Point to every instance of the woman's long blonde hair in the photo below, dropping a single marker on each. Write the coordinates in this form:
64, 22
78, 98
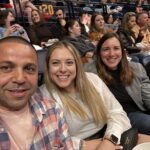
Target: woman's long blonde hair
88, 94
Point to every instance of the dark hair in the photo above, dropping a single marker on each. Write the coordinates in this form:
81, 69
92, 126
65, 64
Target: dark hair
69, 24
82, 13
126, 74
92, 26
42, 20
106, 17
3, 16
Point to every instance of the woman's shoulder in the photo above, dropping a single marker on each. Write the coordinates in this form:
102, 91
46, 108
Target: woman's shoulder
135, 65
93, 77
137, 68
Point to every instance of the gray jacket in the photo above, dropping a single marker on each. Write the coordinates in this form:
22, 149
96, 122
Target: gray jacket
139, 90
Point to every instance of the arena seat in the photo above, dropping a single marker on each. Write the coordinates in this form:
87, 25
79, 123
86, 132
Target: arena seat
41, 59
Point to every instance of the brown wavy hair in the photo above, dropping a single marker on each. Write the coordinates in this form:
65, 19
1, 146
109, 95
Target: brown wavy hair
125, 20
126, 75
42, 20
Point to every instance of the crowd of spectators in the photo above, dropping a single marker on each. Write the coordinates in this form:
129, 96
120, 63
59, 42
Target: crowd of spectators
105, 43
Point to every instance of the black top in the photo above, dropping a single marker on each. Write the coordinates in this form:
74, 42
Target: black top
121, 94
82, 44
83, 30
40, 33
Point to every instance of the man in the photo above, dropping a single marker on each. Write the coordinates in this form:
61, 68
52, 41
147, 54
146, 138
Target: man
60, 16
23, 10
58, 27
83, 21
142, 28
26, 120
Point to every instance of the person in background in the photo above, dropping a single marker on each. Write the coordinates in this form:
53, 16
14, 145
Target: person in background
23, 10
148, 23
27, 120
58, 26
82, 43
111, 22
9, 27
127, 34
60, 16
40, 32
83, 21
109, 18
142, 27
128, 81
97, 28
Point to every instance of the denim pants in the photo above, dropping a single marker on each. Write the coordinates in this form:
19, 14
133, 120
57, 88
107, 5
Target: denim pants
141, 121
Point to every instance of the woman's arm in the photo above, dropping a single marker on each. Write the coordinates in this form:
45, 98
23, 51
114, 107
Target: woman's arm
117, 120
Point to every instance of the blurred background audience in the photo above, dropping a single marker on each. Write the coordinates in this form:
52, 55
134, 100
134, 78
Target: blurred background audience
8, 26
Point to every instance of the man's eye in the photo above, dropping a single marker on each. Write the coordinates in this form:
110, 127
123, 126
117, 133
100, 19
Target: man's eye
117, 48
30, 69
5, 68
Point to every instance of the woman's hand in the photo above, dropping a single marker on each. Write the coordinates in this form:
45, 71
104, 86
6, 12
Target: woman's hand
98, 144
107, 145
10, 30
18, 27
92, 144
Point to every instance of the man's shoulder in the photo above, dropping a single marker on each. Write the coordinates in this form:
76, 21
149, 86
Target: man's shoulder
39, 101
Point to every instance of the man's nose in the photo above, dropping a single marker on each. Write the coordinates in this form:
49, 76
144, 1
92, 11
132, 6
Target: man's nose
19, 76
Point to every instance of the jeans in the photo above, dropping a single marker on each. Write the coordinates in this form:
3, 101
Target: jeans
141, 121
140, 56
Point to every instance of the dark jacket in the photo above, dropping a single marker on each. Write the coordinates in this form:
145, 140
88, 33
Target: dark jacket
129, 40
83, 30
139, 90
82, 44
40, 33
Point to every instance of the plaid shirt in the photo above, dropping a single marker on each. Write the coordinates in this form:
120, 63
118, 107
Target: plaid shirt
51, 129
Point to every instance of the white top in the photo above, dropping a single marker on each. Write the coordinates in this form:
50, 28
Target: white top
117, 123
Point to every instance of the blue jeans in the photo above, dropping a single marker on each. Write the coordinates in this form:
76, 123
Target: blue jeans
141, 121
140, 56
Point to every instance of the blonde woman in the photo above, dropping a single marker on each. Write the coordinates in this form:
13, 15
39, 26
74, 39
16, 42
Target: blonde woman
85, 99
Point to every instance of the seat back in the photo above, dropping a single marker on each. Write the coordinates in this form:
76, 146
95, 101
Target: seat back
41, 60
